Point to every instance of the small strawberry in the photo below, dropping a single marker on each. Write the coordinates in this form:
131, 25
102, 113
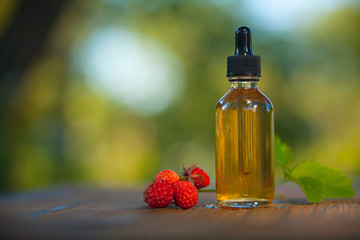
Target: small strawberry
168, 175
148, 187
197, 176
185, 194
159, 193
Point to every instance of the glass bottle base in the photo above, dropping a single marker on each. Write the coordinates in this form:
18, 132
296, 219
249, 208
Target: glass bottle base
245, 203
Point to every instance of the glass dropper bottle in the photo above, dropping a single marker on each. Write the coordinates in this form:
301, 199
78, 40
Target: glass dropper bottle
244, 133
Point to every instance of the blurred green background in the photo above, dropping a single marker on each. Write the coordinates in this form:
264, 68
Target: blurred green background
110, 92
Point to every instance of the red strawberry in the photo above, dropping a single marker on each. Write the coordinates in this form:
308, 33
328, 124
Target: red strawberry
185, 194
168, 175
148, 187
159, 194
197, 176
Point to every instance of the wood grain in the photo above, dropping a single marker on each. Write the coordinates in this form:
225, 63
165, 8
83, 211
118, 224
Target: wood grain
111, 213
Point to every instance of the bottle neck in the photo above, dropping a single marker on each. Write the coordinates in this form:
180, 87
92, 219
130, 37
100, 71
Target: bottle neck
244, 82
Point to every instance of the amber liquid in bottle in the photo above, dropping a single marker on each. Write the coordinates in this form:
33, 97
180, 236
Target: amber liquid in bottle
244, 146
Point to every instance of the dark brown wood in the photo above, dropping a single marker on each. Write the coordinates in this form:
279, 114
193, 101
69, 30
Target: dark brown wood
103, 213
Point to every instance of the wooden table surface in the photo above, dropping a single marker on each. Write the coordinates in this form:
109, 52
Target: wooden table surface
109, 213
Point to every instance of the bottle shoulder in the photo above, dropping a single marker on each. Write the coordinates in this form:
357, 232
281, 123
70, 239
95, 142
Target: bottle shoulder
239, 96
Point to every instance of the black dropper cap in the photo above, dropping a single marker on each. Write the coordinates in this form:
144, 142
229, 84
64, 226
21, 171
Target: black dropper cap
243, 63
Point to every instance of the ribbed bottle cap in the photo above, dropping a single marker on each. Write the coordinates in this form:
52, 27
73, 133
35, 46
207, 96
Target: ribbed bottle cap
243, 62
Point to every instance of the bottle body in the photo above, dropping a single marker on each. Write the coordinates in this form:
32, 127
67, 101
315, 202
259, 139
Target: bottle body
244, 146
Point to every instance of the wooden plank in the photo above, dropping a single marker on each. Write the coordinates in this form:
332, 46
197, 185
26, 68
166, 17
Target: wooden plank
90, 212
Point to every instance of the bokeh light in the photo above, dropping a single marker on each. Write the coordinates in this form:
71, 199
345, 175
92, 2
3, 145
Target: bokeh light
132, 69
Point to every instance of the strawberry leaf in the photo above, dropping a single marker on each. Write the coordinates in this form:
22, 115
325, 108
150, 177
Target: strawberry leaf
282, 153
319, 182
313, 188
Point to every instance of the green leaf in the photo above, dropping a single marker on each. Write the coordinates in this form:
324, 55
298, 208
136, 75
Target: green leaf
312, 187
282, 153
319, 182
